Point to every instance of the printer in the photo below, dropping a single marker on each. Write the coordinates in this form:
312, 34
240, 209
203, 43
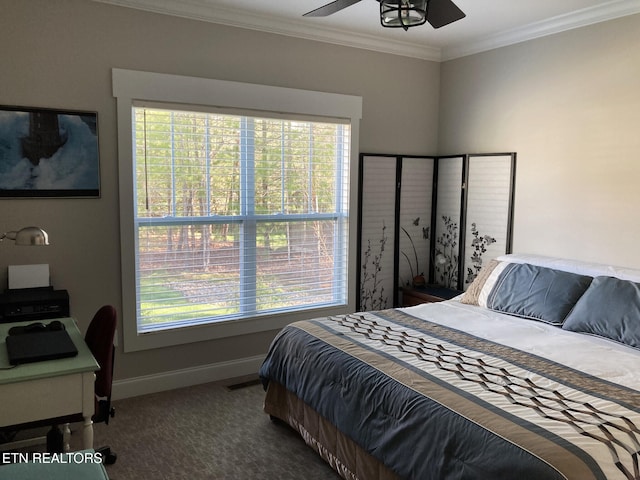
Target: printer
28, 304
30, 296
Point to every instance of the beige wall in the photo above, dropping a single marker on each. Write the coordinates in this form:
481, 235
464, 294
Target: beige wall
569, 105
60, 54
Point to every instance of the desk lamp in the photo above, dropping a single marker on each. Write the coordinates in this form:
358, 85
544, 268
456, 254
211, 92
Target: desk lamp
29, 236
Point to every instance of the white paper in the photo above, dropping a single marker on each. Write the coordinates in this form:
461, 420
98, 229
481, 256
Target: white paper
28, 276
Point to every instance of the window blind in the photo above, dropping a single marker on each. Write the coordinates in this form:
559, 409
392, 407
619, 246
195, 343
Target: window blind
237, 216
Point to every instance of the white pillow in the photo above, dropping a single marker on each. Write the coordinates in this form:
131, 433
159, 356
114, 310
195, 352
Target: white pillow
574, 266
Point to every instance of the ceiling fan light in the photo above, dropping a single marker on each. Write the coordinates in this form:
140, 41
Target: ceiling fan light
403, 13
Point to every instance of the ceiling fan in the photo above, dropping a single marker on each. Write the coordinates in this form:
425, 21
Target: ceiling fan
402, 13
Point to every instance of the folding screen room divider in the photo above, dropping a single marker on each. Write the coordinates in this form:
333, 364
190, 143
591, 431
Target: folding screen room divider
431, 218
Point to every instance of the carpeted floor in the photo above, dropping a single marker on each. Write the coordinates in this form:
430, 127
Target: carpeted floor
203, 432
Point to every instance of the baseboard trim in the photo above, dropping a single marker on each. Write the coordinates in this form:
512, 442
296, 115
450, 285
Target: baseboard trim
133, 387
27, 442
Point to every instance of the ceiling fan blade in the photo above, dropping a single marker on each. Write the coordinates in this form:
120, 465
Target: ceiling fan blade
330, 8
443, 12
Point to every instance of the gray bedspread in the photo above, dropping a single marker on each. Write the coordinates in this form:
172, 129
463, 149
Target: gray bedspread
433, 402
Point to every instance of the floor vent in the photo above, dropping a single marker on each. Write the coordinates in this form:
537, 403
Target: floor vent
249, 383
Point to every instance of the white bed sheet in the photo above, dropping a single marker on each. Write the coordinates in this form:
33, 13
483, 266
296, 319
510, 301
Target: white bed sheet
593, 355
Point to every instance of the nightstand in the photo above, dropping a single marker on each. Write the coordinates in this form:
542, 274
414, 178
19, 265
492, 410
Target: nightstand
427, 294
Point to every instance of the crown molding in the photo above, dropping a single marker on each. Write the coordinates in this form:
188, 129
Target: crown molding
561, 23
299, 29
201, 10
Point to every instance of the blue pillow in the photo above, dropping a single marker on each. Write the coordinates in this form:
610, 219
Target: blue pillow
537, 293
610, 308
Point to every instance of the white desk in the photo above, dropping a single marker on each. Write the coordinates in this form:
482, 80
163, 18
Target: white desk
49, 389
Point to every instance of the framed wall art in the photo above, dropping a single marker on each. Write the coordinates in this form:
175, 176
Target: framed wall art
48, 153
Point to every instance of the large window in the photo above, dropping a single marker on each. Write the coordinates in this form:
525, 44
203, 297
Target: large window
236, 206
237, 216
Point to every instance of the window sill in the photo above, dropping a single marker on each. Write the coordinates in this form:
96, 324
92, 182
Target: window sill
134, 341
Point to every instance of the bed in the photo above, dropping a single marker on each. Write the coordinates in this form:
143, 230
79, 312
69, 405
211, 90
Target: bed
533, 373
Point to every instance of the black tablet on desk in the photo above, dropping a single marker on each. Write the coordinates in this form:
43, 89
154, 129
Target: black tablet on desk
40, 346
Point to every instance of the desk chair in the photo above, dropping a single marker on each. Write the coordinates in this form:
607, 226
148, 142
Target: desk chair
99, 338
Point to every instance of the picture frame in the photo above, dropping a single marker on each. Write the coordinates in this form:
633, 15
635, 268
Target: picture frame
46, 152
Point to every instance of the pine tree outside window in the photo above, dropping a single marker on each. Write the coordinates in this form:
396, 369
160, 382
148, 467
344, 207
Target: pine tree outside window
237, 216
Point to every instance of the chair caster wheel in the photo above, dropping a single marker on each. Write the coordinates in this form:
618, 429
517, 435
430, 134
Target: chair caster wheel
108, 457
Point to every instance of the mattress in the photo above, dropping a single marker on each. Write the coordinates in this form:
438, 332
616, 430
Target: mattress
450, 390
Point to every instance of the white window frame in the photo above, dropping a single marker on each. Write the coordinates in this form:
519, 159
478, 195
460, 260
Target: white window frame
130, 86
